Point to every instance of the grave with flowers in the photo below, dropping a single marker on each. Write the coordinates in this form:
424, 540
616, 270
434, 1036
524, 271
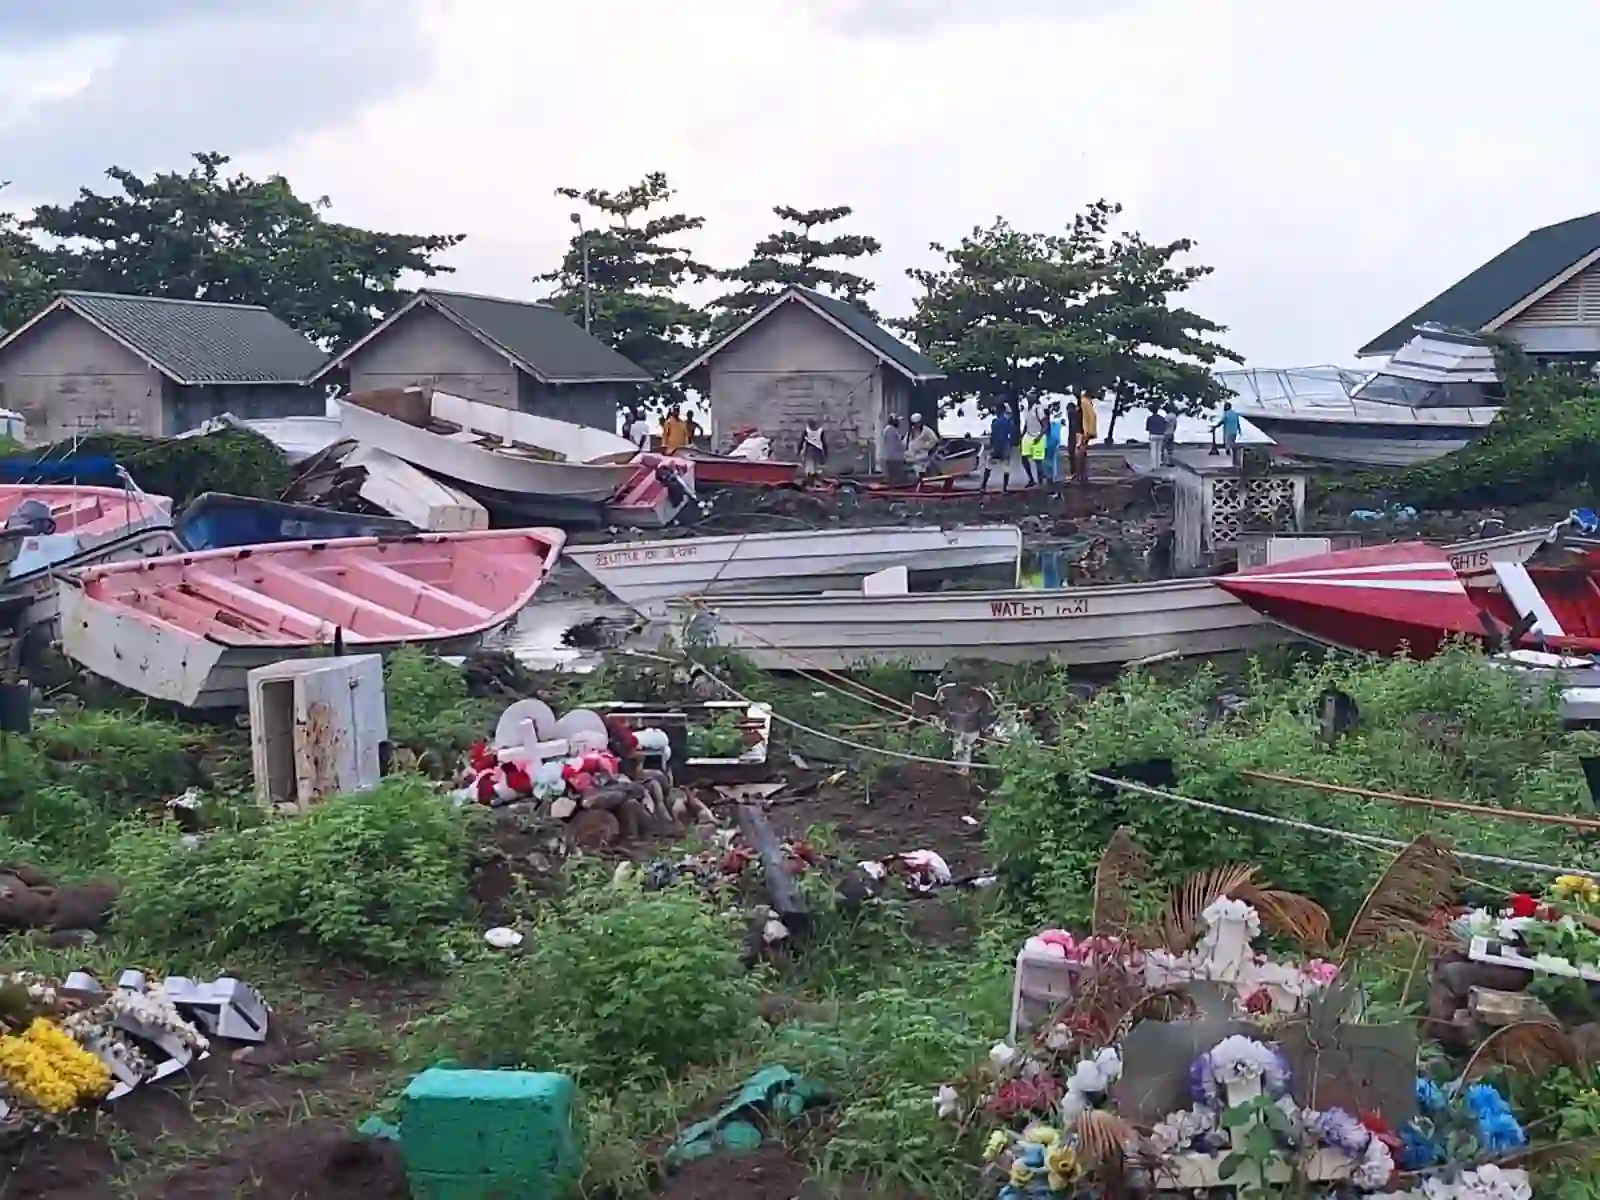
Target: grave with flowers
1176, 1056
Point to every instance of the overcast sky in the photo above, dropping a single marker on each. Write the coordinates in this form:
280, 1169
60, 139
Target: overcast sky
1337, 163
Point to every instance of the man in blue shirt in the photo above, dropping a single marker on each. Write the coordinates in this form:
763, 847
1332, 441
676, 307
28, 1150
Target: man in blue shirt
1229, 421
1002, 444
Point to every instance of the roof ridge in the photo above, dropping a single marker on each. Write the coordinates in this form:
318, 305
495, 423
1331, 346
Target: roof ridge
87, 295
1559, 224
427, 291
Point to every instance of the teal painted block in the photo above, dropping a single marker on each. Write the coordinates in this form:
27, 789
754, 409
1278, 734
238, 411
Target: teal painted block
490, 1131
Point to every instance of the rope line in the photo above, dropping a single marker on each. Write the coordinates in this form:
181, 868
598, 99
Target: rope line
1368, 840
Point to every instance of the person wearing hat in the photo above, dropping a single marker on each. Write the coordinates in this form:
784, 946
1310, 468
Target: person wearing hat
920, 445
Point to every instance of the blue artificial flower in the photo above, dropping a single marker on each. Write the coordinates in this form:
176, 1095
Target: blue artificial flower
1033, 1156
1429, 1097
1417, 1149
1500, 1133
1483, 1101
1202, 1087
1010, 1192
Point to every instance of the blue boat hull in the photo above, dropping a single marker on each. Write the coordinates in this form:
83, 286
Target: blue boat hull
215, 521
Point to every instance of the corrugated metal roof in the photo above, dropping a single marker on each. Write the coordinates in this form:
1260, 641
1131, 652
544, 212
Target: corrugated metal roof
544, 339
1510, 276
197, 341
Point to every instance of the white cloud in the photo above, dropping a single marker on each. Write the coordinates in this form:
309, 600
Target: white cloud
1337, 164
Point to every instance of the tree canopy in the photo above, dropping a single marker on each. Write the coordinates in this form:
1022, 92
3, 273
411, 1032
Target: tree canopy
798, 256
200, 235
1030, 313
636, 266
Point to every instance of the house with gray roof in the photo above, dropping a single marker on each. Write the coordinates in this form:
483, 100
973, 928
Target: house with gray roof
142, 364
1544, 292
810, 355
518, 354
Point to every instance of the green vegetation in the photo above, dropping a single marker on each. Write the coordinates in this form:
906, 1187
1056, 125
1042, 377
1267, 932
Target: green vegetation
642, 994
238, 461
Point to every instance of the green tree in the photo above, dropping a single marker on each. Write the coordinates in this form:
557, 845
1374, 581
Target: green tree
22, 284
636, 266
1031, 313
798, 256
200, 235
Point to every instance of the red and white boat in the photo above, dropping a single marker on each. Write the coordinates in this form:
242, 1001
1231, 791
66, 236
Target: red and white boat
1409, 596
188, 628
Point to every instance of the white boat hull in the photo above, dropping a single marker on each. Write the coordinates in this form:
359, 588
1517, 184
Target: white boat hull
645, 575
460, 457
166, 663
36, 593
1368, 433
1079, 627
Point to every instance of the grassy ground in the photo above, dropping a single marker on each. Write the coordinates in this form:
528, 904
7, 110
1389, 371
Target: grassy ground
361, 923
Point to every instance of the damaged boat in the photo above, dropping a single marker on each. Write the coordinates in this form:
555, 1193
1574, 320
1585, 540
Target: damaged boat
644, 575
188, 628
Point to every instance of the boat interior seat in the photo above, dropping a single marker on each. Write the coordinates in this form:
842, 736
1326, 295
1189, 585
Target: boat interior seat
1525, 597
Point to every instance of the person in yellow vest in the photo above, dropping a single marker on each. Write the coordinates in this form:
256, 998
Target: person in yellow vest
674, 432
1090, 420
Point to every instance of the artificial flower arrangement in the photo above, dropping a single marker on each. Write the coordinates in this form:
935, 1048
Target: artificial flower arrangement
45, 1070
1039, 1162
1558, 933
1457, 1125
1240, 1094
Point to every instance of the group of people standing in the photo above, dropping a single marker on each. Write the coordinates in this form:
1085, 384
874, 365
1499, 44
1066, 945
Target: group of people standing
1051, 441
678, 432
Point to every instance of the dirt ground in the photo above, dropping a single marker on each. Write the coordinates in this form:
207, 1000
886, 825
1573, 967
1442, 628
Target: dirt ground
910, 806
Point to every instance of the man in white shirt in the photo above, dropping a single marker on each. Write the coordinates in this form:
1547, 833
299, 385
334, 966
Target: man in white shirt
639, 431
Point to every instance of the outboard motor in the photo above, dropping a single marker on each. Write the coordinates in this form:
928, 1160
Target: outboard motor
32, 518
673, 482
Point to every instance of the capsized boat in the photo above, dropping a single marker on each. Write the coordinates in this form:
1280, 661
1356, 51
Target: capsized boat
488, 446
188, 628
646, 574
655, 494
217, 521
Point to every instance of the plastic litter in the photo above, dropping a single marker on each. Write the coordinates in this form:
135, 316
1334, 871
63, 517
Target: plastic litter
775, 1094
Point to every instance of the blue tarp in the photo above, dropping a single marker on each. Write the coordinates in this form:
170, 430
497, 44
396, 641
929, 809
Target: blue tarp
93, 471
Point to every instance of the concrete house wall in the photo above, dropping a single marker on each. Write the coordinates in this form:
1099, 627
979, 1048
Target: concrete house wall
795, 365
424, 347
186, 407
65, 377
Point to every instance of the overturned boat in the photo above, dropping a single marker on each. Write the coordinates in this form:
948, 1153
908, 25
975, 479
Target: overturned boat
188, 628
1439, 392
644, 575
218, 521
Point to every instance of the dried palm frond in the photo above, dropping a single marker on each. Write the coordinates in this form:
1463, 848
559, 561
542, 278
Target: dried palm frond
1289, 914
1181, 925
1122, 866
1101, 1136
1420, 881
1534, 1046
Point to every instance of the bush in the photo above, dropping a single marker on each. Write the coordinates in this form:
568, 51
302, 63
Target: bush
1545, 441
1453, 727
429, 708
376, 877
618, 984
238, 461
122, 762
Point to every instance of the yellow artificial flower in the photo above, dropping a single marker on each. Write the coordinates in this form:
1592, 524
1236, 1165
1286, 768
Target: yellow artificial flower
90, 1078
1021, 1173
1041, 1135
1567, 887
996, 1145
1061, 1165
45, 1068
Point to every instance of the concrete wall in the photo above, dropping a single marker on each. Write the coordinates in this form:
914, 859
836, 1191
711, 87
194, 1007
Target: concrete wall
426, 348
65, 377
593, 404
792, 366
187, 407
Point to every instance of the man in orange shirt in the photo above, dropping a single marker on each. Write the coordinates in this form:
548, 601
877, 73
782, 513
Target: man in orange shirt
674, 432
1090, 420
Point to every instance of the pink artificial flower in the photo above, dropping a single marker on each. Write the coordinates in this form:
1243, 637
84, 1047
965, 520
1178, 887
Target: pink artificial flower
1321, 972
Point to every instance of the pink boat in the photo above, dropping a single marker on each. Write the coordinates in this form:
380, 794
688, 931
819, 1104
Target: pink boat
63, 521
188, 628
649, 500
